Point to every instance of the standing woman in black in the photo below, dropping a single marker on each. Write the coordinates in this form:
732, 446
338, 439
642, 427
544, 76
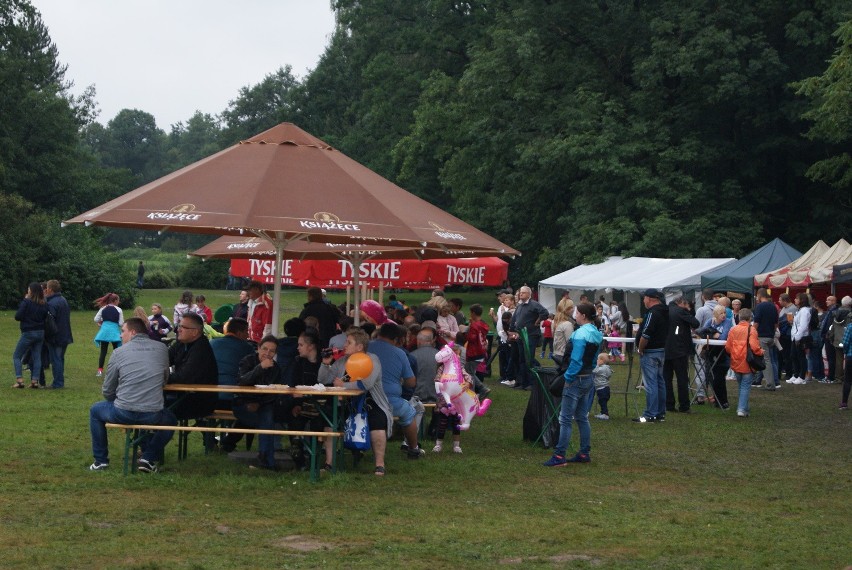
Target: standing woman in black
32, 313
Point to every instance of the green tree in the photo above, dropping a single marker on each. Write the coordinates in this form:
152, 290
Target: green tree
38, 129
260, 107
198, 139
830, 115
580, 130
38, 249
133, 141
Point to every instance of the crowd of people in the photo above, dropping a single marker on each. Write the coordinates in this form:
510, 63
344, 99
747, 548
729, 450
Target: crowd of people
752, 347
403, 341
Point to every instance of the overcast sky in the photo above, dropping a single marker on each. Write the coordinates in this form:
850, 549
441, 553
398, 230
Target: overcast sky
173, 57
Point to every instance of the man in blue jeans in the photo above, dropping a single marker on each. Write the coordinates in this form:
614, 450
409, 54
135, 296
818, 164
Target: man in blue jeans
579, 390
651, 345
133, 394
56, 347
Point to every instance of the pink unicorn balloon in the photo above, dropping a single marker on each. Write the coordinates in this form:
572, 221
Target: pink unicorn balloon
456, 390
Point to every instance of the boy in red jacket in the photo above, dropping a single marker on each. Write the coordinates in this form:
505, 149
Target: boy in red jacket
476, 350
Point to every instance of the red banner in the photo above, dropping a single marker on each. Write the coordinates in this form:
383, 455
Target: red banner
392, 274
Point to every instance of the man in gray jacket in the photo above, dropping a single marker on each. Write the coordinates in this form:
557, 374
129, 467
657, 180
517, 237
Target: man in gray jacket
133, 394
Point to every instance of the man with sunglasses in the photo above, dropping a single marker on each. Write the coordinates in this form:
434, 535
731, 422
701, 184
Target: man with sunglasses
192, 362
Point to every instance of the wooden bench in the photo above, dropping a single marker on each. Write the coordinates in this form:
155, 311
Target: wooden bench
134, 433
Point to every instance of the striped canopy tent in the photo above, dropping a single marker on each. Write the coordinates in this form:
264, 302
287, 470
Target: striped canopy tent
815, 266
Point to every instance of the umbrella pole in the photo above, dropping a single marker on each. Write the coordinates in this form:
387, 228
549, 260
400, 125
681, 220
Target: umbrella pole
276, 295
348, 297
355, 262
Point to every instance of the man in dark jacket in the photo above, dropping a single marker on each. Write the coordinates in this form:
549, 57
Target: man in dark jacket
326, 313
528, 315
825, 327
651, 346
678, 352
192, 362
58, 307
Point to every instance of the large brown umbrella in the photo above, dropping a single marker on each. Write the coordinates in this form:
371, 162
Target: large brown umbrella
285, 185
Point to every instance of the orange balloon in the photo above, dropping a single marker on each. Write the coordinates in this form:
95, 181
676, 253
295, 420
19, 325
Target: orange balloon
359, 366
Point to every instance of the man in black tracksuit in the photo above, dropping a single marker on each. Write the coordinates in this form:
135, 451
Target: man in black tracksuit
678, 352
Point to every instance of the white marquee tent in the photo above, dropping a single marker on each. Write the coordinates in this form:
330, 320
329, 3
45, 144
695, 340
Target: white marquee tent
631, 274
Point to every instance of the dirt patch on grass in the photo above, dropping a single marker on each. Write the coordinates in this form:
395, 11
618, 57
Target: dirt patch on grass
302, 543
555, 559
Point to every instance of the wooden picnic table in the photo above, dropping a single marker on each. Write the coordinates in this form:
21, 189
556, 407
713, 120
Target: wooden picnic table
275, 389
334, 422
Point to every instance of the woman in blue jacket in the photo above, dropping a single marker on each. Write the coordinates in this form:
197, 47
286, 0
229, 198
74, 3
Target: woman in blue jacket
579, 390
32, 312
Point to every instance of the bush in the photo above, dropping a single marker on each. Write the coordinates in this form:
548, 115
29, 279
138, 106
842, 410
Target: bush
198, 274
171, 245
39, 249
157, 279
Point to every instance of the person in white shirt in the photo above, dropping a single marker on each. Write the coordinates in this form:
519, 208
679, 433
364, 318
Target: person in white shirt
800, 335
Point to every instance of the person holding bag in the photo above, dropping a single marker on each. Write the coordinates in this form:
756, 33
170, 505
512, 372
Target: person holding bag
379, 414
743, 339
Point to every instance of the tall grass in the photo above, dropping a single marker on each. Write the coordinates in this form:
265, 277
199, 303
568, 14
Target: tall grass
706, 490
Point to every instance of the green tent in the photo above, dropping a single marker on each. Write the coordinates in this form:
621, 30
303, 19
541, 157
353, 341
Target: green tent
739, 275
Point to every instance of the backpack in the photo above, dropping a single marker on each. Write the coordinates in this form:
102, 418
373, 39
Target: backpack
814, 322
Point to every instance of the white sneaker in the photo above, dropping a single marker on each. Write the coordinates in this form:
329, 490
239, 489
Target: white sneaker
438, 447
741, 414
799, 381
456, 449
510, 383
601, 417
791, 380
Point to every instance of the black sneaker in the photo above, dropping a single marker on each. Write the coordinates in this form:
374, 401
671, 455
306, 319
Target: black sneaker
98, 466
146, 466
661, 418
416, 453
403, 446
644, 420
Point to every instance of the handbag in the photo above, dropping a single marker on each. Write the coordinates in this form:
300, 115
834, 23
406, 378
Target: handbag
356, 431
755, 362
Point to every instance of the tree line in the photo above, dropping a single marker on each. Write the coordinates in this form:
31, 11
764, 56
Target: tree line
570, 130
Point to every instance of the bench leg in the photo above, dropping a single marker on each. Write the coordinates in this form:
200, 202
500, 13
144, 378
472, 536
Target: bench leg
129, 440
314, 461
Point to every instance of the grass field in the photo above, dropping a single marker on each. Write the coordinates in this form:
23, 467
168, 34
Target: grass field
706, 490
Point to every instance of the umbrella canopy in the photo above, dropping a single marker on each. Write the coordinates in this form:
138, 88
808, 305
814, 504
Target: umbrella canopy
285, 181
286, 185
